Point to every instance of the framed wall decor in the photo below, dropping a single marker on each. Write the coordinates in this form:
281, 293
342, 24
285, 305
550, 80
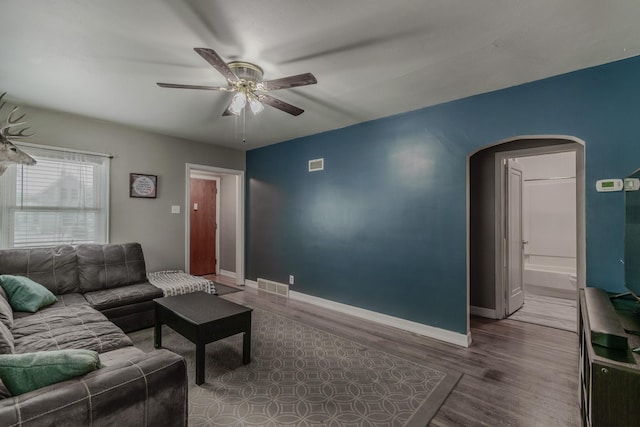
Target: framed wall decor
143, 185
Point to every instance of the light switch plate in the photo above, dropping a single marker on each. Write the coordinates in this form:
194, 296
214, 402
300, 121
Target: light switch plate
175, 209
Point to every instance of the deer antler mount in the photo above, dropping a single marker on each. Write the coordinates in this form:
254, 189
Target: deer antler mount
9, 153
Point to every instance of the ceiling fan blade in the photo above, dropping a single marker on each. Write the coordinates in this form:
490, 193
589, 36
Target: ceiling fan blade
292, 81
280, 105
218, 63
180, 86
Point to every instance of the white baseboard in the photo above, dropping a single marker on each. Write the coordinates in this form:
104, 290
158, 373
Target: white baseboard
226, 273
483, 312
396, 322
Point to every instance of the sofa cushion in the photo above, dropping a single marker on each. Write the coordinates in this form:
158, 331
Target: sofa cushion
25, 294
132, 317
6, 312
4, 391
120, 356
54, 268
60, 328
110, 266
68, 300
117, 297
22, 373
6, 340
150, 390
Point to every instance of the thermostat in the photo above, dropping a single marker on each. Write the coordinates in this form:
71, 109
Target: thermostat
603, 185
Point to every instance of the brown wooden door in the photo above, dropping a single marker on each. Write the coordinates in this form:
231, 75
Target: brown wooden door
203, 227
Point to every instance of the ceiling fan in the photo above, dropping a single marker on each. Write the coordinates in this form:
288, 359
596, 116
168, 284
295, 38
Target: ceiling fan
245, 79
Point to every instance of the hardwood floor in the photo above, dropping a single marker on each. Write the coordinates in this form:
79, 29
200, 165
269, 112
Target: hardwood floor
225, 280
558, 313
515, 373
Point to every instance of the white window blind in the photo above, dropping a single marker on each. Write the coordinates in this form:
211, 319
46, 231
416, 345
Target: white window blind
63, 199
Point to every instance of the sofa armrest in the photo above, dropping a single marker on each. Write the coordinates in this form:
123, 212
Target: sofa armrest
149, 390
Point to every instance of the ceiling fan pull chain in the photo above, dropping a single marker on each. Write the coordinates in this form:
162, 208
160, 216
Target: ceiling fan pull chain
235, 133
244, 124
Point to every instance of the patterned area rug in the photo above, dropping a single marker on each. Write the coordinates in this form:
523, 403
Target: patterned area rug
303, 376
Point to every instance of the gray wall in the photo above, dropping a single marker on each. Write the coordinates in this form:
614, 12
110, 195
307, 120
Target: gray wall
228, 223
148, 221
482, 229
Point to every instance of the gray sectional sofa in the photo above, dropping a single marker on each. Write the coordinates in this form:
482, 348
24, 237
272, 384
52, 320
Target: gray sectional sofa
101, 292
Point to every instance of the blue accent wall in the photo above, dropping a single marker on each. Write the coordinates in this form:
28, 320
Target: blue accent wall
383, 227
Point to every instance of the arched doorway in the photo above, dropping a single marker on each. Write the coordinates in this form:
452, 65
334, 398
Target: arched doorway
485, 231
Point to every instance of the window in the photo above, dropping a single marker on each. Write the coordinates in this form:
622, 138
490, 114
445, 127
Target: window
63, 199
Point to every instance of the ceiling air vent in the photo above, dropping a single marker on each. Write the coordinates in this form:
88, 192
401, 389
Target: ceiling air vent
316, 165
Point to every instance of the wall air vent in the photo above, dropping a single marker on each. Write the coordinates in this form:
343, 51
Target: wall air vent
273, 287
316, 165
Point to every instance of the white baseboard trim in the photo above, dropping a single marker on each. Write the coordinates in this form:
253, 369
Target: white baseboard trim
228, 273
483, 312
396, 322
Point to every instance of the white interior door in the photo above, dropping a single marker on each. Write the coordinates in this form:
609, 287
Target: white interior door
514, 266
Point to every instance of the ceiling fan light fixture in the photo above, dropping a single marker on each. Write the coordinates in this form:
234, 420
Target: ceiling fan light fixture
255, 105
237, 103
244, 79
246, 70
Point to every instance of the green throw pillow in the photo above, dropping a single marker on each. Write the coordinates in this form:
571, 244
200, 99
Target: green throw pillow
25, 294
24, 372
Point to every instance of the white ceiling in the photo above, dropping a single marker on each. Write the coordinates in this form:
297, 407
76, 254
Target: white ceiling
372, 58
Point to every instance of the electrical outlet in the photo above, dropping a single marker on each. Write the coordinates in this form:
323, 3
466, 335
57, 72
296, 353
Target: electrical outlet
291, 279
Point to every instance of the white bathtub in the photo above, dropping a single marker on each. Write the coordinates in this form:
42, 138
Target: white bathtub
550, 280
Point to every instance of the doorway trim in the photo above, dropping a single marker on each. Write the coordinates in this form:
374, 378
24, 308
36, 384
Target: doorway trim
239, 174
500, 157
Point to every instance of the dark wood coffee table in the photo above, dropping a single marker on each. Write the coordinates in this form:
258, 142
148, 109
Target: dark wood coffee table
203, 318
